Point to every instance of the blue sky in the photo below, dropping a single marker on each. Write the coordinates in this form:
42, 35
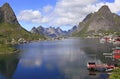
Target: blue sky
57, 13
19, 5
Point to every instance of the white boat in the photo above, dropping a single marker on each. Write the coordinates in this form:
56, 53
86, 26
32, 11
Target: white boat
109, 70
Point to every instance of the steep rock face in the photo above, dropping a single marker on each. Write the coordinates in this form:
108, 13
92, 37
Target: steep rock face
7, 15
102, 21
1, 16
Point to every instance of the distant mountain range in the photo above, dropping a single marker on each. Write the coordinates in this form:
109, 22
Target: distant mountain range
52, 31
102, 21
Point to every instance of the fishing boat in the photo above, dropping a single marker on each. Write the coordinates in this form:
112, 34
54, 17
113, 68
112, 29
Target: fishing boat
92, 66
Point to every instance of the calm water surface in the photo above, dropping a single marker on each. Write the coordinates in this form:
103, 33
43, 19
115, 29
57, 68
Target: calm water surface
61, 59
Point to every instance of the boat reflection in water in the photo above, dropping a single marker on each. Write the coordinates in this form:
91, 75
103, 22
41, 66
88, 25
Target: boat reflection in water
98, 75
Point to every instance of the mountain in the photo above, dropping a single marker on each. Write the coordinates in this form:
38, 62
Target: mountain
102, 21
72, 30
7, 15
11, 31
10, 27
53, 32
48, 32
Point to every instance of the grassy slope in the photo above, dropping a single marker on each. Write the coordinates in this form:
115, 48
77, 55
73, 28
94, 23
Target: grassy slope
10, 31
5, 49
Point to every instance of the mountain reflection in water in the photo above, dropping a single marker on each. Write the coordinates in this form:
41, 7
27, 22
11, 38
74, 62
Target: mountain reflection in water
60, 59
8, 64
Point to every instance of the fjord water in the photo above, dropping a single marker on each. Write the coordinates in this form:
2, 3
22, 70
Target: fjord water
59, 59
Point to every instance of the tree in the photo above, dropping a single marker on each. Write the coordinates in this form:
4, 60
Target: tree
115, 74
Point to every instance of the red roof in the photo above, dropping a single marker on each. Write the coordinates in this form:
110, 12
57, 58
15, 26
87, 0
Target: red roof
116, 56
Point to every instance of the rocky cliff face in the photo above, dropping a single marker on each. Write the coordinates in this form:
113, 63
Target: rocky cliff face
7, 15
101, 21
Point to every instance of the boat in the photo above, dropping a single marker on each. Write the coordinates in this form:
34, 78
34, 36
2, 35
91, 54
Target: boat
109, 70
92, 66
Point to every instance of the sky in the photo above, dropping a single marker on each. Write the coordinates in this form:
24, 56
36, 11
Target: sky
56, 13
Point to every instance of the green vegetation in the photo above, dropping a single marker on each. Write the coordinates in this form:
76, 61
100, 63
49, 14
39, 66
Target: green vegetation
4, 48
115, 74
82, 33
10, 31
14, 34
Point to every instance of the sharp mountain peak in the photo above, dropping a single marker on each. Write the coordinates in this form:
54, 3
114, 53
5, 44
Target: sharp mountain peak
6, 5
7, 14
101, 21
104, 8
104, 11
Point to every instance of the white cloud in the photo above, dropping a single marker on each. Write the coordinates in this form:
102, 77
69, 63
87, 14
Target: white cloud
115, 7
29, 15
66, 12
70, 12
33, 16
47, 8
